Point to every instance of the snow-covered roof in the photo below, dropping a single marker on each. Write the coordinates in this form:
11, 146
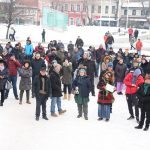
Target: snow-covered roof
135, 4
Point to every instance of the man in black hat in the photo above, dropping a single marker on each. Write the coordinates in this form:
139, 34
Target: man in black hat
42, 90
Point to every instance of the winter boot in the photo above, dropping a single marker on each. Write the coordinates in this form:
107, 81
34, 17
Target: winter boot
139, 127
28, 102
69, 97
62, 112
146, 128
65, 96
20, 102
54, 115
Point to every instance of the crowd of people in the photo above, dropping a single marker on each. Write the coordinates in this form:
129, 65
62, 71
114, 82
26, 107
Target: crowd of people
44, 71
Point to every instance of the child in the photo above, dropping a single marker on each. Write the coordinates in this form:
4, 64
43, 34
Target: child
82, 88
25, 82
105, 98
67, 78
143, 94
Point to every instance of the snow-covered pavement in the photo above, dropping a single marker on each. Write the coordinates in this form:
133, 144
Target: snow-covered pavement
20, 131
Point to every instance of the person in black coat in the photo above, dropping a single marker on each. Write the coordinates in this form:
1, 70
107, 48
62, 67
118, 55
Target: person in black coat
56, 90
3, 79
79, 42
70, 48
37, 63
143, 94
144, 66
42, 90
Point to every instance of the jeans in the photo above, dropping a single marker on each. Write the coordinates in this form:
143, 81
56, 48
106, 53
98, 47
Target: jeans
104, 111
13, 80
54, 101
109, 46
119, 86
139, 52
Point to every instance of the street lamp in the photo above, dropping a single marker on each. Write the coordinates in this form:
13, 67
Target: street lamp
127, 15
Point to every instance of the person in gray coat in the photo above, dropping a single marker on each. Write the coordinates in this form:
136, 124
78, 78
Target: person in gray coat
25, 82
67, 78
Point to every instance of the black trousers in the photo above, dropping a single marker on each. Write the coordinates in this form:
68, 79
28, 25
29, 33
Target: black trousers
67, 86
132, 100
145, 114
83, 108
92, 83
27, 94
41, 100
2, 96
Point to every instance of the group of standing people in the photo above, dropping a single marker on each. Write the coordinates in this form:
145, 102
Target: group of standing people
43, 72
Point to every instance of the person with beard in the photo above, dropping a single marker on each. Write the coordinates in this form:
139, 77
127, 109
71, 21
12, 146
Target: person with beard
143, 94
25, 81
3, 79
42, 90
132, 81
82, 88
105, 98
37, 63
91, 69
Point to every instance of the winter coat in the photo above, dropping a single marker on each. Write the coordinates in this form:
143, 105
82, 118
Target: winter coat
36, 66
37, 86
104, 97
79, 43
144, 99
29, 50
70, 48
120, 71
39, 49
3, 73
110, 40
130, 31
139, 45
136, 33
25, 81
61, 55
145, 67
128, 82
83, 84
55, 84
13, 67
67, 73
100, 53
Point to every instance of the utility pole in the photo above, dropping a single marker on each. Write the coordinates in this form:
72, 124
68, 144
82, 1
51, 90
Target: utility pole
127, 21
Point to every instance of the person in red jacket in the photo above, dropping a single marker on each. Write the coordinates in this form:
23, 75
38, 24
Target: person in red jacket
39, 48
139, 46
13, 66
132, 81
130, 32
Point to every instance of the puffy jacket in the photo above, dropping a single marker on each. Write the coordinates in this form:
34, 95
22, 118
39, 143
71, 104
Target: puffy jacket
139, 45
29, 50
128, 82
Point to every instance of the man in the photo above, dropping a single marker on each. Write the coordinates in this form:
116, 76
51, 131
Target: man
130, 32
79, 42
43, 36
13, 65
139, 46
136, 33
42, 90
56, 91
109, 41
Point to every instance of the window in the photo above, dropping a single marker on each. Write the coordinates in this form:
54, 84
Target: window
113, 9
84, 8
78, 8
125, 12
142, 12
72, 7
71, 21
133, 12
106, 9
66, 7
93, 9
99, 9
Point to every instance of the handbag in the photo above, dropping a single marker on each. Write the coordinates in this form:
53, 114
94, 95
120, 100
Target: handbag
8, 85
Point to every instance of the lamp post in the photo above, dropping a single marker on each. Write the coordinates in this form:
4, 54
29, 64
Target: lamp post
127, 21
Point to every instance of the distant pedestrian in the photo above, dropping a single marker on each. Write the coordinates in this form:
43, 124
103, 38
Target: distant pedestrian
43, 36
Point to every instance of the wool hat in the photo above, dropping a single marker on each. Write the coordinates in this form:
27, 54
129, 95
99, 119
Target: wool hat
137, 72
110, 64
43, 69
82, 70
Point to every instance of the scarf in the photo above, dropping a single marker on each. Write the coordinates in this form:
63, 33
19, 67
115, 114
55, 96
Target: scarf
146, 86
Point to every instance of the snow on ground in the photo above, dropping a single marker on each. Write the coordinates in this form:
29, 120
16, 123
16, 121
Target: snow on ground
20, 131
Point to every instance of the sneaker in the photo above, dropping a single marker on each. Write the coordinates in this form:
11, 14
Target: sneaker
45, 117
62, 112
79, 116
99, 119
54, 115
130, 118
37, 118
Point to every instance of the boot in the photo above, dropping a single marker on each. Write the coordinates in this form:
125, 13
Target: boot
45, 117
28, 102
139, 127
146, 128
54, 115
65, 96
69, 97
20, 102
62, 112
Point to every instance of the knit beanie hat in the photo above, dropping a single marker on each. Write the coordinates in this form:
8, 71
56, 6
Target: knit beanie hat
137, 72
110, 64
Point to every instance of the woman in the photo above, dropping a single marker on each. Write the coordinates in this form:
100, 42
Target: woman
82, 88
3, 79
25, 82
105, 98
144, 103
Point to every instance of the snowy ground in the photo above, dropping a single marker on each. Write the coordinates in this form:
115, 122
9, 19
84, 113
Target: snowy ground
20, 131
